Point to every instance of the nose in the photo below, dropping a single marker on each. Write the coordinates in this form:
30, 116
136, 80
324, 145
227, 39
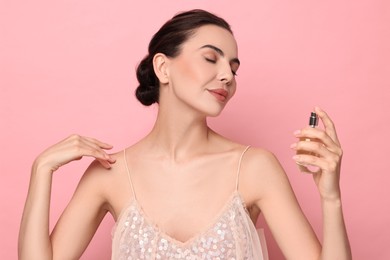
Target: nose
226, 75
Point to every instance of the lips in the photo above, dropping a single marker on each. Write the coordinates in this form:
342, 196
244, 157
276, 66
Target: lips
219, 93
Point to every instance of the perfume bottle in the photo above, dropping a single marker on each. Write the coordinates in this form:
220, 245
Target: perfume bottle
313, 122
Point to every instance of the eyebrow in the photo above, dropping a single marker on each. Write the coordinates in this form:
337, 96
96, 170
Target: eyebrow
236, 60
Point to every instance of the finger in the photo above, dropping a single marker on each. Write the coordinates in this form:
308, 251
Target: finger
305, 160
325, 164
98, 153
79, 146
92, 150
77, 152
87, 146
105, 163
75, 138
330, 128
100, 146
96, 145
316, 148
99, 143
308, 169
318, 136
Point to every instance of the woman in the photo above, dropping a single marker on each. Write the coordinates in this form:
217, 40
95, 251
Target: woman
179, 192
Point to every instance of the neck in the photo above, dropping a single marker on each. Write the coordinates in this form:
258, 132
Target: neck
178, 134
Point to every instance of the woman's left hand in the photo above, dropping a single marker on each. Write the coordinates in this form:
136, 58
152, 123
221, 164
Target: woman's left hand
323, 152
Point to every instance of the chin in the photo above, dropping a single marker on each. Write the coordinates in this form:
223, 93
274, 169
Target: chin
215, 112
211, 109
213, 115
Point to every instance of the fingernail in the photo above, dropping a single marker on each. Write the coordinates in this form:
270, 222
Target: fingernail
293, 146
295, 157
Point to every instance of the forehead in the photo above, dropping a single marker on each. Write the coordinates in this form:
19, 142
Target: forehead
213, 35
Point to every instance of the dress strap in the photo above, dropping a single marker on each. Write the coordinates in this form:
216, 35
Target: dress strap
239, 165
128, 173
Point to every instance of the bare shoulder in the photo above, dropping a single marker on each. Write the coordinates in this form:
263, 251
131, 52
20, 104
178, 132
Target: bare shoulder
261, 174
97, 173
261, 162
101, 181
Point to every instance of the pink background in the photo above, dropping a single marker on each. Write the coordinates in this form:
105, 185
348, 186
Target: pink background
68, 67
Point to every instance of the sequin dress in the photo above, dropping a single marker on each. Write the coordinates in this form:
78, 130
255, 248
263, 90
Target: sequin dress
232, 235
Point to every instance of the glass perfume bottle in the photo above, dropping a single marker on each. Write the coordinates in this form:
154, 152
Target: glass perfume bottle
313, 122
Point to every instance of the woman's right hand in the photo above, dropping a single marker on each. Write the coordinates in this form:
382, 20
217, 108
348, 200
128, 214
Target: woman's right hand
34, 239
73, 148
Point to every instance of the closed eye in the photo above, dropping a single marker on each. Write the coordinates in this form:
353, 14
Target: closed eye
210, 60
215, 61
234, 66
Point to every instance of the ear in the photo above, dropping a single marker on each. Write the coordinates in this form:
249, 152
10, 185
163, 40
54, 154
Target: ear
160, 64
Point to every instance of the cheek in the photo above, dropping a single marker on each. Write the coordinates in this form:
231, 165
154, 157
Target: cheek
183, 70
189, 70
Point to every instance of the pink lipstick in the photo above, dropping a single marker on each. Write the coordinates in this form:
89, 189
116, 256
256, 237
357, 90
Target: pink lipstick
219, 93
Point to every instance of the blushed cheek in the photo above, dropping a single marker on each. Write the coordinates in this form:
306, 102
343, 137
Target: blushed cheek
189, 70
184, 69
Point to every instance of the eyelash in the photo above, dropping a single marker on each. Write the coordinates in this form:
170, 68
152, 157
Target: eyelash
214, 61
211, 60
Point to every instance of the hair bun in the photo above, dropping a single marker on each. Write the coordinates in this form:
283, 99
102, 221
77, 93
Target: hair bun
148, 90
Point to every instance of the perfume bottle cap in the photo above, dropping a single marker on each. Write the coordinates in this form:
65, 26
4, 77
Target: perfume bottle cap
313, 121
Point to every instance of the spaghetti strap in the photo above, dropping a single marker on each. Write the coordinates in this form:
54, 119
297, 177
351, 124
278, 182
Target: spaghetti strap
239, 165
128, 174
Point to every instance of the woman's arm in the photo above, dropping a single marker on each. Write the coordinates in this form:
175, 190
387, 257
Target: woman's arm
34, 235
34, 240
265, 180
272, 193
335, 243
326, 154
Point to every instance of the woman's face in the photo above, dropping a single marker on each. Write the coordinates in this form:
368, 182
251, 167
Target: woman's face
202, 76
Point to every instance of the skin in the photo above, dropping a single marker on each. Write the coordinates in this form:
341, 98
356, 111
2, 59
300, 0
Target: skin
182, 162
